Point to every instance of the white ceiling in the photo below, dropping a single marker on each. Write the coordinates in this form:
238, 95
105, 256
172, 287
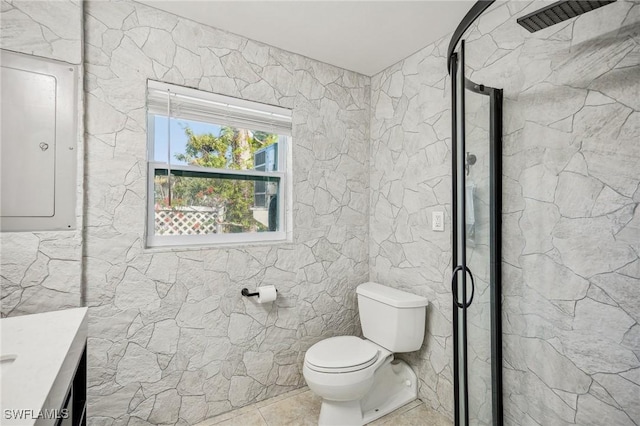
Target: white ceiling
359, 35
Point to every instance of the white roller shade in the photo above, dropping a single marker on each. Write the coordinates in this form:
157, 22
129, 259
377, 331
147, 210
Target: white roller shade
198, 105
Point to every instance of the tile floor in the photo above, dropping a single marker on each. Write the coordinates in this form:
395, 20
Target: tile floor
301, 407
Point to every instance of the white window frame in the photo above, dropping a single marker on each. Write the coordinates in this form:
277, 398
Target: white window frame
284, 232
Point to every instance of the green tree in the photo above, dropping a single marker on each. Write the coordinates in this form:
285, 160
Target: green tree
231, 149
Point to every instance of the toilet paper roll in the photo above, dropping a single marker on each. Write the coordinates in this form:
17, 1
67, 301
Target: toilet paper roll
267, 293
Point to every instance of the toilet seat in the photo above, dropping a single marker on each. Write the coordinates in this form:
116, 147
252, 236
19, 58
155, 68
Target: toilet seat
342, 354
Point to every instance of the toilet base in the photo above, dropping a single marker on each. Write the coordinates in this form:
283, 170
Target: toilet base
340, 413
395, 384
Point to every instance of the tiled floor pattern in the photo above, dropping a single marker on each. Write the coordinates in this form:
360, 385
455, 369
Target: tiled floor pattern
301, 407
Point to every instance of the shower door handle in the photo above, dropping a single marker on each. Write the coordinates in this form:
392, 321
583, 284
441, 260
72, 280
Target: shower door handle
454, 287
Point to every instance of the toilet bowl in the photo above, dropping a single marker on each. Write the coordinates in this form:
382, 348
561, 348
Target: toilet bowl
342, 368
358, 379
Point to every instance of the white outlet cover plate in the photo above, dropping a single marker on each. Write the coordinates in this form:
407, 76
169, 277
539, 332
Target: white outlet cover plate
437, 221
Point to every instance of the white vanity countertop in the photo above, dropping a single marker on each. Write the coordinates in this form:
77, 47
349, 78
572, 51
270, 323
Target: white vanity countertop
47, 348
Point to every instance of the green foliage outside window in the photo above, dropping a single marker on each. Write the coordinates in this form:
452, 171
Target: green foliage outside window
232, 149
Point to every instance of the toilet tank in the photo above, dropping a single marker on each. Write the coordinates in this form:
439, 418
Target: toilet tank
392, 318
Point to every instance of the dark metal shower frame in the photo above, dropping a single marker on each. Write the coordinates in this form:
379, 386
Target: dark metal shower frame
495, 249
495, 182
474, 13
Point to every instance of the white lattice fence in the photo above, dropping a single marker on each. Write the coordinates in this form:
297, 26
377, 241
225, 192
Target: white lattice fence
187, 221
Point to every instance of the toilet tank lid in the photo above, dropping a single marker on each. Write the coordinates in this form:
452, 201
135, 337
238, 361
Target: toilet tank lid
391, 296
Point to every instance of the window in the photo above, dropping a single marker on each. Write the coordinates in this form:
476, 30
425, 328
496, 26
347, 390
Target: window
265, 160
217, 168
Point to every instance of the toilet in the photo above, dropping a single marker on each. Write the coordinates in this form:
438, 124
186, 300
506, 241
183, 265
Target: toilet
358, 379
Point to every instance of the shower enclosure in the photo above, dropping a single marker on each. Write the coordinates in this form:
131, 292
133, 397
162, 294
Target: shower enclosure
546, 217
476, 279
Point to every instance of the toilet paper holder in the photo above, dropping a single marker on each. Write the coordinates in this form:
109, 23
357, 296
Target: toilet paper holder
245, 292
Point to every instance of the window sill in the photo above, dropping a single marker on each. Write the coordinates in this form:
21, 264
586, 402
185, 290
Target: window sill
215, 246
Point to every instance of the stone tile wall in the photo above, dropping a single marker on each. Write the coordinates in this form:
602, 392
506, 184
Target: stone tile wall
41, 271
49, 29
411, 178
570, 214
171, 339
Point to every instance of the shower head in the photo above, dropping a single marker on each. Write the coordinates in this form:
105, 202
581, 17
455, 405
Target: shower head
558, 12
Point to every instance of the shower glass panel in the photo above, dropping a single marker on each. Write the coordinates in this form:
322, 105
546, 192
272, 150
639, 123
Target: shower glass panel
476, 293
477, 193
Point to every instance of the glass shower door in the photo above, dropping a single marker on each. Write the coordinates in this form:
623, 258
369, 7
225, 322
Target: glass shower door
477, 193
476, 295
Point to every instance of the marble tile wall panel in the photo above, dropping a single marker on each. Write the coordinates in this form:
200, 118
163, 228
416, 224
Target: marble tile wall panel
171, 339
41, 271
571, 272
